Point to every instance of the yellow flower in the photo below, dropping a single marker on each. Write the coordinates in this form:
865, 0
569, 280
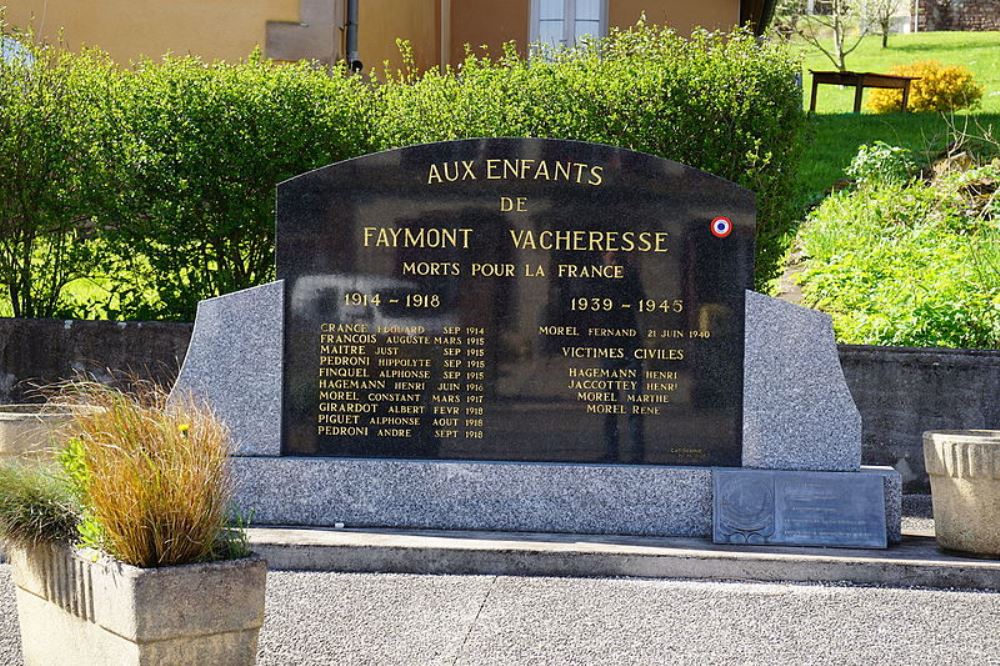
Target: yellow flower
183, 428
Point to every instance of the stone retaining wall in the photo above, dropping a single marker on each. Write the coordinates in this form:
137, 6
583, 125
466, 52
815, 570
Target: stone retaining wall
42, 351
967, 15
900, 392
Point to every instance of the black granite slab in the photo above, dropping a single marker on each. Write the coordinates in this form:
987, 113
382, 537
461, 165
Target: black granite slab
514, 299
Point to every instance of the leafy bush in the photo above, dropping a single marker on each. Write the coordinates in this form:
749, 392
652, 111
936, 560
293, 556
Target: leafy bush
202, 147
939, 88
152, 478
36, 506
52, 171
912, 264
158, 180
725, 103
881, 164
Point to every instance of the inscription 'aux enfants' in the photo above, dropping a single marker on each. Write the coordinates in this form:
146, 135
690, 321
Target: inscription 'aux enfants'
574, 240
517, 169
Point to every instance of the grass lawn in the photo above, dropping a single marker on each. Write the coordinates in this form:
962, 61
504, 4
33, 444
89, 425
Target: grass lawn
832, 140
979, 51
835, 134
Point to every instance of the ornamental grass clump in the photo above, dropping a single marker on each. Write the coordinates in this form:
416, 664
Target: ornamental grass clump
37, 506
151, 478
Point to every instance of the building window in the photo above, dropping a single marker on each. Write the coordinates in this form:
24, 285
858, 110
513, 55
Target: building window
562, 22
13, 51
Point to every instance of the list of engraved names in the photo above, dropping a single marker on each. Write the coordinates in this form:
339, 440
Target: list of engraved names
388, 381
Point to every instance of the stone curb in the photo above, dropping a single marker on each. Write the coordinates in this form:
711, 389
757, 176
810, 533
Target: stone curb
916, 562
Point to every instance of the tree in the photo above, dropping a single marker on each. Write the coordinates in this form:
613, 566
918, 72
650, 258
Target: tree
51, 162
833, 19
786, 17
881, 12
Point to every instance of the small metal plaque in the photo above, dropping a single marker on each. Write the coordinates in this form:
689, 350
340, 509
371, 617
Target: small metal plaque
763, 507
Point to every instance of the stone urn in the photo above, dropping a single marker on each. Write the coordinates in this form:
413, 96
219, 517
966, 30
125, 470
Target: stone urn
26, 431
77, 609
964, 468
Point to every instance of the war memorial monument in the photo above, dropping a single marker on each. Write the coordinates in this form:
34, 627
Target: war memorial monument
533, 335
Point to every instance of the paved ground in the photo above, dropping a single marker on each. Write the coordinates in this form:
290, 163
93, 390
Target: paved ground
387, 619
323, 618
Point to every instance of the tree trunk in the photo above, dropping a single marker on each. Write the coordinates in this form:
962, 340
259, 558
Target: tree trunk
838, 42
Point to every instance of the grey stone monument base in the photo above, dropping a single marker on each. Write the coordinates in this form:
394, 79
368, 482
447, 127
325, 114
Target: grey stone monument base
495, 496
798, 415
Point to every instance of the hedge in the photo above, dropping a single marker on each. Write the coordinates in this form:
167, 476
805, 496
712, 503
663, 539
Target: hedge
205, 147
53, 135
726, 103
188, 153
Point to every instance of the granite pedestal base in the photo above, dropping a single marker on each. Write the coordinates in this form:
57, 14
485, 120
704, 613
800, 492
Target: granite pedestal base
496, 496
798, 415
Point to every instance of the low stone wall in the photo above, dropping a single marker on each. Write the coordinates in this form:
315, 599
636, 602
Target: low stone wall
900, 392
36, 352
967, 15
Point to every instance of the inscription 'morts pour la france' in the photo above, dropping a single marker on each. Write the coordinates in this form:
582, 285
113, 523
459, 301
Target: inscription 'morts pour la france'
514, 299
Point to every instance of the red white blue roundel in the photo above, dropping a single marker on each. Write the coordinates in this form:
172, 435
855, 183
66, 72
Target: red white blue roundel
722, 227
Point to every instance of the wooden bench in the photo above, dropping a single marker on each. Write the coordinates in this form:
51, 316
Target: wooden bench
860, 81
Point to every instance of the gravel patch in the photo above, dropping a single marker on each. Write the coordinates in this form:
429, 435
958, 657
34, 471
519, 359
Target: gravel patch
10, 641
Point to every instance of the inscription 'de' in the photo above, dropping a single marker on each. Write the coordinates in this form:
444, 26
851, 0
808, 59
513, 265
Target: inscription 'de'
543, 300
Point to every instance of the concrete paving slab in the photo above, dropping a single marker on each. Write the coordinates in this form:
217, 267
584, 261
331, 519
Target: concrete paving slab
916, 562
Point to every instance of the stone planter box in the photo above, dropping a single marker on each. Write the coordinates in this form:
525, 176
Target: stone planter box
26, 430
964, 468
75, 611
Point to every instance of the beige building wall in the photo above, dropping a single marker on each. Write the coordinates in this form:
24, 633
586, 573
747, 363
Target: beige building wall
127, 29
479, 22
314, 29
381, 22
491, 23
681, 15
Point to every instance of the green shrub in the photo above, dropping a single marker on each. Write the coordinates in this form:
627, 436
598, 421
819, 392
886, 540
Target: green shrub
725, 103
161, 177
881, 164
203, 146
36, 506
53, 131
938, 88
911, 264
